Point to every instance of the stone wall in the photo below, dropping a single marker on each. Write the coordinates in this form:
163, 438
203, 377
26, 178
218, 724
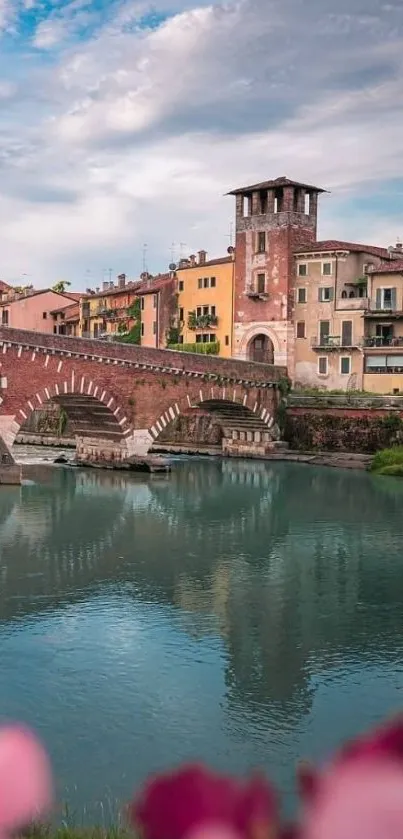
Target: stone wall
49, 421
195, 429
349, 429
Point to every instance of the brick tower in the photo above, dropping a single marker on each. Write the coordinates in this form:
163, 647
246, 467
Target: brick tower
273, 219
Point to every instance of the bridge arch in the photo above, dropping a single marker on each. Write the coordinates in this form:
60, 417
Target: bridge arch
232, 408
94, 411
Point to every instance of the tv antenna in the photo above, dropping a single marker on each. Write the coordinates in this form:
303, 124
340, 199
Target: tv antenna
173, 246
230, 235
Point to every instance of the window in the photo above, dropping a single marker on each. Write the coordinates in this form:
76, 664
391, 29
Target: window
155, 298
345, 365
142, 304
4, 317
301, 295
44, 315
206, 310
212, 282
212, 338
386, 298
261, 242
142, 330
324, 332
180, 339
181, 315
347, 333
200, 282
199, 338
212, 311
199, 312
261, 283
326, 269
301, 329
206, 282
302, 269
55, 330
155, 327
322, 365
181, 285
325, 294
227, 340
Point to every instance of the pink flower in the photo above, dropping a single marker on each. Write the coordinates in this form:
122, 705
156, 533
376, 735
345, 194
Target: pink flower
360, 792
193, 802
25, 779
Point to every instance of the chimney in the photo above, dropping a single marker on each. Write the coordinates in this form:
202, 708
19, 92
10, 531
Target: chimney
105, 285
88, 291
202, 257
97, 290
398, 246
192, 259
122, 280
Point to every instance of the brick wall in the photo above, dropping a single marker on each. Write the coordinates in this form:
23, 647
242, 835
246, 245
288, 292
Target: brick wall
343, 429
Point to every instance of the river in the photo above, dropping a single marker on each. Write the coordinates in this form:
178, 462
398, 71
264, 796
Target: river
244, 613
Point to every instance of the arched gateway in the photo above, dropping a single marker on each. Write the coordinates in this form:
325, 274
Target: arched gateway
120, 396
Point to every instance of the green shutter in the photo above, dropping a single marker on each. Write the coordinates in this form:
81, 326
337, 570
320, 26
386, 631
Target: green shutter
331, 293
393, 297
378, 304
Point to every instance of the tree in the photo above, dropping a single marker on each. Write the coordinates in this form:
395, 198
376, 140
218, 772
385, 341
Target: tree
60, 286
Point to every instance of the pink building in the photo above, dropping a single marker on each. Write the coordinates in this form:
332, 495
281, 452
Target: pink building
33, 309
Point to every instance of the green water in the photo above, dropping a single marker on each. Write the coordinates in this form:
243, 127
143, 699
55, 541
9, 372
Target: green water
243, 613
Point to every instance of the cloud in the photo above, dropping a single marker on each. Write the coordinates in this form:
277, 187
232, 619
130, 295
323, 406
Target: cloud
125, 123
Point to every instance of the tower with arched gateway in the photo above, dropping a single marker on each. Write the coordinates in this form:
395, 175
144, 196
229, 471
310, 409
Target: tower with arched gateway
273, 219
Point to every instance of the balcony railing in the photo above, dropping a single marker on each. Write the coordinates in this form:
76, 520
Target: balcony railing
202, 321
255, 294
381, 341
329, 342
352, 303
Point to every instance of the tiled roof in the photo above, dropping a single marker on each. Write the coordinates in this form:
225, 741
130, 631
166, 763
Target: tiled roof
108, 292
393, 266
276, 184
155, 284
66, 309
17, 299
336, 245
221, 260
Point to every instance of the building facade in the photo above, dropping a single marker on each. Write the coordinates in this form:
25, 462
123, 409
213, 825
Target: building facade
206, 302
383, 329
158, 309
273, 219
32, 309
106, 312
331, 298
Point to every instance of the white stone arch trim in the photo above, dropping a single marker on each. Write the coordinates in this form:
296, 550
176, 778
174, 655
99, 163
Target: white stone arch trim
253, 332
77, 385
217, 393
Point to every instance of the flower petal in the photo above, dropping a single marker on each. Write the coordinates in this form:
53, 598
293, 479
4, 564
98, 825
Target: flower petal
25, 778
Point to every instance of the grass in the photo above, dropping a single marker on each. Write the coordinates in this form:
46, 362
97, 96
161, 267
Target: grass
388, 462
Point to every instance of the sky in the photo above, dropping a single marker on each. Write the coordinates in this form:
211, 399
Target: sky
124, 123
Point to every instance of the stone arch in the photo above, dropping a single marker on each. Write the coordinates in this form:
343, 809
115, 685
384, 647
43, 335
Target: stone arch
217, 399
77, 393
257, 330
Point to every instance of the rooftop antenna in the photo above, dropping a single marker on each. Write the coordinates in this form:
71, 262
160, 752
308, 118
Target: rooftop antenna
110, 274
231, 234
145, 258
173, 246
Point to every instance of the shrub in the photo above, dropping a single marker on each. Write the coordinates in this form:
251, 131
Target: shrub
388, 459
212, 348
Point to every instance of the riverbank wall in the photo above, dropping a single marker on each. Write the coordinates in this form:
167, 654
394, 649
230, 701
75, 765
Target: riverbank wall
343, 423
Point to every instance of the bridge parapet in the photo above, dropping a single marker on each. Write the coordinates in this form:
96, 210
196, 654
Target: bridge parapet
160, 361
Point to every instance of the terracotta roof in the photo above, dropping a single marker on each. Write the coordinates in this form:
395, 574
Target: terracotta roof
393, 266
65, 308
336, 245
108, 292
199, 267
276, 184
155, 284
64, 295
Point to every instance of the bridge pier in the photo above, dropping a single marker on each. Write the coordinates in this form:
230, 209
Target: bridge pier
10, 471
112, 450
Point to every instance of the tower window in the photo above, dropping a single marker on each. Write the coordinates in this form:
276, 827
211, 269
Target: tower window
302, 269
307, 203
263, 202
261, 283
261, 242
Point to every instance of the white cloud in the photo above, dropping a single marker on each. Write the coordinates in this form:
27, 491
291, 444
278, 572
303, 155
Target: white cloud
135, 133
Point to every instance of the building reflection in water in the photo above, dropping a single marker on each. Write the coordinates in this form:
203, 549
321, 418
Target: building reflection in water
291, 571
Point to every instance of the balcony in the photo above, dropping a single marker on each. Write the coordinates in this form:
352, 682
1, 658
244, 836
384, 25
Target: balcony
333, 342
353, 303
255, 294
202, 321
374, 341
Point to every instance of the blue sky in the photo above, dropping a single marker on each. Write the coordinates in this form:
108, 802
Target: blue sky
124, 123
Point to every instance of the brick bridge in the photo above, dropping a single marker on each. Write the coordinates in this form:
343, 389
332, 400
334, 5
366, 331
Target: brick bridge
120, 397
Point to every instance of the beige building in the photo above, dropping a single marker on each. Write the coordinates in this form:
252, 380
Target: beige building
383, 330
334, 290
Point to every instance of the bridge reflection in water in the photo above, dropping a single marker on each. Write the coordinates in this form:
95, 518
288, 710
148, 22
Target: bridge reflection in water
226, 612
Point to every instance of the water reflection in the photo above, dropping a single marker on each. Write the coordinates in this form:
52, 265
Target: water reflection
227, 612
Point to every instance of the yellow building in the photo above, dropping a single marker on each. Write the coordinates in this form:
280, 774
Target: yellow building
205, 302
